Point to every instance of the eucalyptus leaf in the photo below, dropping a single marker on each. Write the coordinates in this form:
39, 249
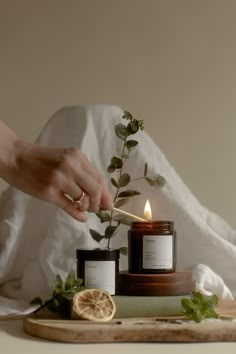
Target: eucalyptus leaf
133, 127
104, 217
124, 251
150, 181
123, 219
114, 183
96, 235
117, 162
121, 131
160, 181
131, 144
128, 193
111, 168
109, 231
124, 180
127, 115
145, 169
120, 202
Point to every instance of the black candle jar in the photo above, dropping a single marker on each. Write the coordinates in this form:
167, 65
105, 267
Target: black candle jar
152, 247
99, 268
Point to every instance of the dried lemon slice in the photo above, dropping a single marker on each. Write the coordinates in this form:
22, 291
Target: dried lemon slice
94, 305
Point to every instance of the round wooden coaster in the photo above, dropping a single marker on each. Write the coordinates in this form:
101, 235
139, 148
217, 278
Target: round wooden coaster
177, 283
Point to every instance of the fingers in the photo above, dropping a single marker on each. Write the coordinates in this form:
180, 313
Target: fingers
93, 183
82, 202
106, 199
93, 189
68, 206
78, 176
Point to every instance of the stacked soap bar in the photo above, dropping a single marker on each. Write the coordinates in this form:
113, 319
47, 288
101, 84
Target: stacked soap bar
147, 306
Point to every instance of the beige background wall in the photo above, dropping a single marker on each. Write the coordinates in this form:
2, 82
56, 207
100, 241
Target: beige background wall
171, 62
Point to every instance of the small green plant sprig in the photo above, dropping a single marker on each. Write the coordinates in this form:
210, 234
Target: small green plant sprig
198, 306
122, 180
62, 295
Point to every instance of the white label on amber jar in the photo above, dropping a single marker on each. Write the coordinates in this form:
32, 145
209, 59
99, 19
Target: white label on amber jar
157, 252
100, 275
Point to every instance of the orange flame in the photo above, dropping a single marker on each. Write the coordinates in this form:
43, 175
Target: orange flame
148, 211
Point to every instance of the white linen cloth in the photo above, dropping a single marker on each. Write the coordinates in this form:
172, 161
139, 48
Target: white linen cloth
38, 240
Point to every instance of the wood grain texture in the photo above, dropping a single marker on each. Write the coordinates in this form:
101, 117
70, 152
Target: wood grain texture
169, 329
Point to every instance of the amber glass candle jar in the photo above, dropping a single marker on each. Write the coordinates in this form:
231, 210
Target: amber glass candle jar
99, 268
152, 247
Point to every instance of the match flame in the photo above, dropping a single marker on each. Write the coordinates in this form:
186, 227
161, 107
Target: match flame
148, 211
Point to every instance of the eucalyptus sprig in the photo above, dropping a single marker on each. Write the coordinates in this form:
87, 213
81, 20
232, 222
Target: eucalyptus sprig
122, 180
198, 306
62, 294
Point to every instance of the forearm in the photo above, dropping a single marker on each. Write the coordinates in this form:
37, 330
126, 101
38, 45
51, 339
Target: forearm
8, 150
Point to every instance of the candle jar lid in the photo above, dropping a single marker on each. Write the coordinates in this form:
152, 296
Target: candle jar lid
98, 254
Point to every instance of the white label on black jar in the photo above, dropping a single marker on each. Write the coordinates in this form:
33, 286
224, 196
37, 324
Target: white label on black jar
157, 252
100, 275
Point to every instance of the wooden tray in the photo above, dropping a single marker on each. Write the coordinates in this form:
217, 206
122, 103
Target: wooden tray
162, 329
169, 284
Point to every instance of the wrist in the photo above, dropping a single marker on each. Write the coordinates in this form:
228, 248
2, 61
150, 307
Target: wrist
9, 149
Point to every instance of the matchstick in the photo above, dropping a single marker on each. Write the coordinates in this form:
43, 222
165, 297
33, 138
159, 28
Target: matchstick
131, 215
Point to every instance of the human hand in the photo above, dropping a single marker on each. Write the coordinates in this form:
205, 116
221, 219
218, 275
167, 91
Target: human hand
59, 176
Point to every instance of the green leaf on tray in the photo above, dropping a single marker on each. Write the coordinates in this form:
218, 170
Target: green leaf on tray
62, 294
199, 306
36, 301
58, 283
